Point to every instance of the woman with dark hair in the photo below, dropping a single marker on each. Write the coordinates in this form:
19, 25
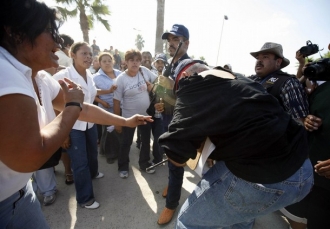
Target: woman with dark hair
83, 147
104, 79
132, 93
28, 40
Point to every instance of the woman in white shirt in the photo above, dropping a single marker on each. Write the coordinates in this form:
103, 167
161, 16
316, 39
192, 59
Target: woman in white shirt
83, 148
28, 40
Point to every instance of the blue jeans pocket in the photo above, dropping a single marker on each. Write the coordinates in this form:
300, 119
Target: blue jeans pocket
251, 198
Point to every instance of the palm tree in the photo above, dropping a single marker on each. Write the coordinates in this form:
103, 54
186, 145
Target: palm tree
139, 42
160, 26
89, 12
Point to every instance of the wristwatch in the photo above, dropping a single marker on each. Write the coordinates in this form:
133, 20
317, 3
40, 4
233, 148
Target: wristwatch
74, 104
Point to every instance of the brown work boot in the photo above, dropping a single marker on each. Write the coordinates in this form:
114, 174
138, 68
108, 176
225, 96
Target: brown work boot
164, 194
166, 216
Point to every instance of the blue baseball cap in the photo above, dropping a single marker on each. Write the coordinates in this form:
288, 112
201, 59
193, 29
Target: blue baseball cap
177, 30
161, 56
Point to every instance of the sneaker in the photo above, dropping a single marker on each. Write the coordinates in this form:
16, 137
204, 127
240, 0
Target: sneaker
150, 171
94, 205
48, 200
99, 175
123, 174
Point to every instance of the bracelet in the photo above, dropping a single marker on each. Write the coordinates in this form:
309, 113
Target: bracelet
74, 104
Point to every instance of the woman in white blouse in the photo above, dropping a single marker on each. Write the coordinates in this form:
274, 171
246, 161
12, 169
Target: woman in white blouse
83, 148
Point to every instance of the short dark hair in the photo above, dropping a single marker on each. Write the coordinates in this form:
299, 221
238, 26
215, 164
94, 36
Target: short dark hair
67, 40
147, 52
130, 54
26, 19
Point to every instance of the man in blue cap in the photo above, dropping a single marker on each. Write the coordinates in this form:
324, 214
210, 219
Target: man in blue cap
178, 33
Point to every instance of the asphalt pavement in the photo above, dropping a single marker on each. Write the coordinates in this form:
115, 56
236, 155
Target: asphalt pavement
131, 203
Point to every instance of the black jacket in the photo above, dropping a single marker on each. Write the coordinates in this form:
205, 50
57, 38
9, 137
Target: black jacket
256, 138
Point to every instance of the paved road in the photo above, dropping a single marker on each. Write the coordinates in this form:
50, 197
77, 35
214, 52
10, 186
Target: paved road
132, 203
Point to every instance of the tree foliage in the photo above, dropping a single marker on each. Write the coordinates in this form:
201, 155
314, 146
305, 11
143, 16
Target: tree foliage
89, 12
139, 42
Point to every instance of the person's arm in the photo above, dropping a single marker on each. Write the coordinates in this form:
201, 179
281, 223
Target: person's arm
104, 103
108, 91
95, 114
24, 147
294, 98
116, 110
301, 61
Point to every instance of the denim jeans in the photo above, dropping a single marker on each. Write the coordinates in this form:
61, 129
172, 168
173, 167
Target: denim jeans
84, 164
44, 181
157, 130
175, 176
175, 180
110, 143
222, 200
127, 139
22, 210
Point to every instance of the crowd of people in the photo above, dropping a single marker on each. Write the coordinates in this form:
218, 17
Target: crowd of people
270, 131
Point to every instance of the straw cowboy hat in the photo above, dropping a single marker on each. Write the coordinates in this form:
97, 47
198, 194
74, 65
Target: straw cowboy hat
270, 47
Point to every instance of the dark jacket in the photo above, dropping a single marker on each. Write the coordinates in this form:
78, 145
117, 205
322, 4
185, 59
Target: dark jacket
256, 138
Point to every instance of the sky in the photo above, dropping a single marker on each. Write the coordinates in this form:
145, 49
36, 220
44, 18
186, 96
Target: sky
250, 24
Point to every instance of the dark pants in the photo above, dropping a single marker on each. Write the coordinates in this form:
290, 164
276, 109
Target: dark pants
319, 208
110, 143
175, 180
157, 130
127, 139
175, 176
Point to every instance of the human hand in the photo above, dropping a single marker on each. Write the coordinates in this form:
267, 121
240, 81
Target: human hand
165, 82
72, 91
112, 88
136, 120
159, 107
323, 168
67, 143
105, 104
312, 122
118, 129
300, 58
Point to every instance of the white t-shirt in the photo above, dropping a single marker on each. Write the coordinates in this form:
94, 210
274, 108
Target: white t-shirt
88, 88
63, 60
133, 93
16, 79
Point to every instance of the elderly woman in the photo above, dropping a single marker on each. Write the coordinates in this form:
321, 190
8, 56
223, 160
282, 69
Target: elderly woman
28, 41
132, 92
104, 79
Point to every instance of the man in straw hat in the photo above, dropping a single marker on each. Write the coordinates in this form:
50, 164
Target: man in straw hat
261, 152
286, 88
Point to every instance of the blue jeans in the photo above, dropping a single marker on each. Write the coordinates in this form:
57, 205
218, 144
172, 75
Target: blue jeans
44, 181
222, 200
157, 130
175, 180
175, 176
84, 164
110, 143
127, 139
22, 210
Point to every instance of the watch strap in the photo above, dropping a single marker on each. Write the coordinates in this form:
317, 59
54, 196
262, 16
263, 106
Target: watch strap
74, 104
